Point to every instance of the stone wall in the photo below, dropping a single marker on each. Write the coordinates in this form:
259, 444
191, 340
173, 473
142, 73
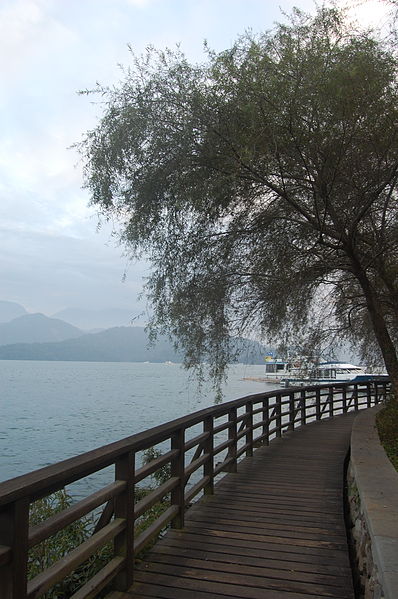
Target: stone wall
368, 575
373, 499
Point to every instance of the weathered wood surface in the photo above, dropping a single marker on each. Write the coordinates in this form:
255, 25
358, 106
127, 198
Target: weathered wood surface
274, 530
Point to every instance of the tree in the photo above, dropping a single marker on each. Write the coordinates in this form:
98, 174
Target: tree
261, 185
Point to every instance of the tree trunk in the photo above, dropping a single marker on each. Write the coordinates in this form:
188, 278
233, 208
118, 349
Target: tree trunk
389, 283
379, 325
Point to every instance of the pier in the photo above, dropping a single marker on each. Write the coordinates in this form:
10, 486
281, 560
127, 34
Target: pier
255, 504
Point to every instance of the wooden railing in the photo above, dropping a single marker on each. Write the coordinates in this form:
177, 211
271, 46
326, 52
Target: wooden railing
199, 448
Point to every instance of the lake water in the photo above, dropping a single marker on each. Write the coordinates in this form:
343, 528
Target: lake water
50, 411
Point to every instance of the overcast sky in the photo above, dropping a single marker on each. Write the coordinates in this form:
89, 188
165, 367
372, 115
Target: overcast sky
52, 256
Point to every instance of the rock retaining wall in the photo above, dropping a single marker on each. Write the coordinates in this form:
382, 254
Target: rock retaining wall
373, 499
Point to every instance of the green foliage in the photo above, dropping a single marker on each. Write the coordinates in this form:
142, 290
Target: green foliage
54, 548
159, 477
163, 474
261, 184
150, 516
387, 426
46, 553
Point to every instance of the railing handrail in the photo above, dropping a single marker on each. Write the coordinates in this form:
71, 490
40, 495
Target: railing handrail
84, 464
50, 478
264, 416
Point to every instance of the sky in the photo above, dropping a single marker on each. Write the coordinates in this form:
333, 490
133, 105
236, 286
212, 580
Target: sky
52, 254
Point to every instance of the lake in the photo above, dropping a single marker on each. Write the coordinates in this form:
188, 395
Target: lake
50, 411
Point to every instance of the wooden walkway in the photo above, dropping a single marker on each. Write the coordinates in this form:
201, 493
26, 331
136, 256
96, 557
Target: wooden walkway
274, 530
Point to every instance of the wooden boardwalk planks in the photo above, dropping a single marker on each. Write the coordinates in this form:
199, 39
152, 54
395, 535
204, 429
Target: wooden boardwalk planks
274, 530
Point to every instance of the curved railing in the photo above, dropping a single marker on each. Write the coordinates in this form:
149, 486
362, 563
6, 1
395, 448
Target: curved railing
198, 448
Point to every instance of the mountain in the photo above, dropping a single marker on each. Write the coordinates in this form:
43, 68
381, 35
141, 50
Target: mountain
119, 344
10, 310
31, 328
96, 319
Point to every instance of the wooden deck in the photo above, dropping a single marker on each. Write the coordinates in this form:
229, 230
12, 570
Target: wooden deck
274, 530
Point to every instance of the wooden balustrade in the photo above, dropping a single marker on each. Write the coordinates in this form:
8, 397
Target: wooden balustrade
229, 431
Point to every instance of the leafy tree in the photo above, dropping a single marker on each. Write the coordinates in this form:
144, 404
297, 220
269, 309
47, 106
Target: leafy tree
261, 185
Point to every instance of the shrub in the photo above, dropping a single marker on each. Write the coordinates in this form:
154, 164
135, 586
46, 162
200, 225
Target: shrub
46, 553
387, 426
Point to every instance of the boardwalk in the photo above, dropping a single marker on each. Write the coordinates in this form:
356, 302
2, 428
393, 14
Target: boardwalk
274, 530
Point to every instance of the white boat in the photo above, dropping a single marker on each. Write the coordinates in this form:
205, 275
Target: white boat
331, 372
277, 370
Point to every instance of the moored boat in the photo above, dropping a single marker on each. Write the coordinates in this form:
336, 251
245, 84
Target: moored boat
277, 370
331, 372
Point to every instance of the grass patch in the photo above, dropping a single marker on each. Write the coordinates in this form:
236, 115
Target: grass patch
387, 426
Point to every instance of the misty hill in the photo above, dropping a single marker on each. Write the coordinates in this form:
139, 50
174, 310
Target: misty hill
119, 344
31, 328
96, 319
10, 310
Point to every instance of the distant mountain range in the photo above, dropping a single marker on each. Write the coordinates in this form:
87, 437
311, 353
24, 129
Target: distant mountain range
88, 320
31, 328
119, 344
96, 319
10, 310
38, 337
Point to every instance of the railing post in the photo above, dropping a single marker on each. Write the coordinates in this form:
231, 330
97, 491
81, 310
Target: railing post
232, 434
383, 395
266, 420
208, 469
302, 407
292, 411
124, 508
178, 470
356, 397
14, 527
249, 425
384, 387
368, 395
344, 392
278, 414
376, 392
331, 401
318, 403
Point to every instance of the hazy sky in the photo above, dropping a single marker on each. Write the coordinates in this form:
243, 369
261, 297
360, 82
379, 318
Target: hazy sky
52, 256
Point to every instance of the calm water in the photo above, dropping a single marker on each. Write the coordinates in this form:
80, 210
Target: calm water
50, 411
